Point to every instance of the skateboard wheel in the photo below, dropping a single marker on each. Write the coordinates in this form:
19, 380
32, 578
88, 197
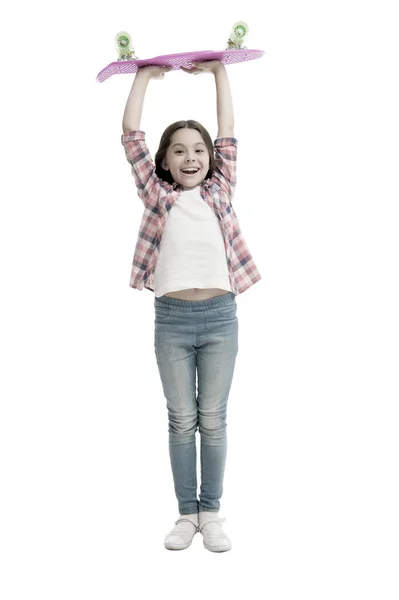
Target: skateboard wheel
123, 43
239, 31
238, 35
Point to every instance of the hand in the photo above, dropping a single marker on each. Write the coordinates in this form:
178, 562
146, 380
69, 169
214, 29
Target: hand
207, 66
154, 71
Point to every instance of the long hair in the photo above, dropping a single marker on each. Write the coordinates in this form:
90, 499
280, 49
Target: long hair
165, 143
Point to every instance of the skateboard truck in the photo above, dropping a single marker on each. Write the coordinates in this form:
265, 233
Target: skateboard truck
237, 36
123, 45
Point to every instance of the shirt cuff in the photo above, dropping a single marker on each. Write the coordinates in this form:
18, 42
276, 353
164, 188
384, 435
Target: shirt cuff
225, 141
131, 136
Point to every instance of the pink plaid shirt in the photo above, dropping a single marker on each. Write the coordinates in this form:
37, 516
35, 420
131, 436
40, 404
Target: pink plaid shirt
159, 196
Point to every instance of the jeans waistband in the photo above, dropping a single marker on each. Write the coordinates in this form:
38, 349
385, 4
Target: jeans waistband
193, 305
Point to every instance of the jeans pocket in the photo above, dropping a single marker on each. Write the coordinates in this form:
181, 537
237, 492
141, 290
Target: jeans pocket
162, 312
228, 311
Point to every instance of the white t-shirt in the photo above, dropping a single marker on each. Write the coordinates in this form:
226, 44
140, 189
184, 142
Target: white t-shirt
192, 252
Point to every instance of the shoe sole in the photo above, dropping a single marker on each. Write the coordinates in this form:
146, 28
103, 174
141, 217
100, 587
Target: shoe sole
180, 547
217, 549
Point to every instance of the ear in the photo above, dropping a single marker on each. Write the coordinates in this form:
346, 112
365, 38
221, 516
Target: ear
164, 165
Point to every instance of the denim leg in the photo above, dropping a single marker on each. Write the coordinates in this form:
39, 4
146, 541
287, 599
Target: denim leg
176, 359
216, 358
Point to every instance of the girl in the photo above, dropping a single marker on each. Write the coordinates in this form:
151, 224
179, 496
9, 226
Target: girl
191, 253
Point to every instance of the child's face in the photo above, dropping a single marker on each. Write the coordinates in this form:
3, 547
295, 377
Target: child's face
187, 150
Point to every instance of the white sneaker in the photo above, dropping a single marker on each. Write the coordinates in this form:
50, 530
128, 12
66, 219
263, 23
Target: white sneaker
215, 538
181, 536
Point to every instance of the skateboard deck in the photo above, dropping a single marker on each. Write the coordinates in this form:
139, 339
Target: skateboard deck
185, 59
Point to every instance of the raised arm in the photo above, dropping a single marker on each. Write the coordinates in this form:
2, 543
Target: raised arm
224, 102
134, 105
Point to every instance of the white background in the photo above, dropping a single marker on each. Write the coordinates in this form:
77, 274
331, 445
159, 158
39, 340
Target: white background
311, 487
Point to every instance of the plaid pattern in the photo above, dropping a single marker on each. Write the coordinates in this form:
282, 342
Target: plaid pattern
159, 196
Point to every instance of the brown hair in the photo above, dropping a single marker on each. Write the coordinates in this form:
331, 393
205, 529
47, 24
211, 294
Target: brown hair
165, 143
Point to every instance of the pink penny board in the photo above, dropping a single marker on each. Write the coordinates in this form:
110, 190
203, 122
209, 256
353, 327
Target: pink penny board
227, 57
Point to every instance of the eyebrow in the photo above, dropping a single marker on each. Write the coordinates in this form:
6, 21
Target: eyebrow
196, 144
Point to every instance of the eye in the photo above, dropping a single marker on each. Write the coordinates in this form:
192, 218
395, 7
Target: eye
199, 150
177, 151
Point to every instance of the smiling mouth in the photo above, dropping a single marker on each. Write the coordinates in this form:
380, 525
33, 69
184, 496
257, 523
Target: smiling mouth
190, 171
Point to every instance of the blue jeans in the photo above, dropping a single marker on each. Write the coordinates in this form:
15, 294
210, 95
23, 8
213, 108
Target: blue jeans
193, 337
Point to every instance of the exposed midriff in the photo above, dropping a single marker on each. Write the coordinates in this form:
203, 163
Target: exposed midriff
197, 293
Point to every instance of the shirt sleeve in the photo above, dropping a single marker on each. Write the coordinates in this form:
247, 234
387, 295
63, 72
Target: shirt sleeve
143, 168
224, 174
